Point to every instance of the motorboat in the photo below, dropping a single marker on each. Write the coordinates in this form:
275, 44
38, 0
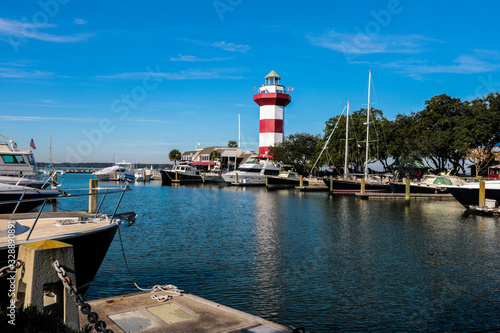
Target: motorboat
252, 173
32, 198
181, 174
90, 234
468, 194
430, 184
34, 182
14, 162
286, 179
115, 172
143, 175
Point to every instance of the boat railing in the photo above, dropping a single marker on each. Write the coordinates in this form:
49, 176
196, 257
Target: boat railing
68, 194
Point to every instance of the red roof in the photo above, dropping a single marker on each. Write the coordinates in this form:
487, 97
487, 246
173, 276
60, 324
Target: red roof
203, 163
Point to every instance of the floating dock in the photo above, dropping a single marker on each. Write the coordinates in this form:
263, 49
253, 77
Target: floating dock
487, 211
399, 196
140, 312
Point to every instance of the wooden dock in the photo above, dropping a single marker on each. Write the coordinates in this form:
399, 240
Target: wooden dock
486, 211
402, 196
140, 312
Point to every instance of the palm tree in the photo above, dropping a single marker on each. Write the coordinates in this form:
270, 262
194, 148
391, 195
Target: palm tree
174, 155
232, 143
214, 155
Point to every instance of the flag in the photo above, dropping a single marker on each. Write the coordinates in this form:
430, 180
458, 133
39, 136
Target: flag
32, 144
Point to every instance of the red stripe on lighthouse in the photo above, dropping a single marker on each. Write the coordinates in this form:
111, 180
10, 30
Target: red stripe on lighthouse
272, 99
271, 126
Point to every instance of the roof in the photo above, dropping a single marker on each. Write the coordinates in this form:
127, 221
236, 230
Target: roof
203, 163
273, 74
413, 164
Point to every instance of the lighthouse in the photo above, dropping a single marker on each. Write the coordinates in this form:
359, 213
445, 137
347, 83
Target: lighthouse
272, 99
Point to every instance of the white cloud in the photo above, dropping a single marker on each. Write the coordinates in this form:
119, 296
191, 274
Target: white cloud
361, 43
17, 31
231, 47
80, 21
190, 58
15, 72
190, 74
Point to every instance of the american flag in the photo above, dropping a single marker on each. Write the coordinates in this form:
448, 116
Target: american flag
32, 144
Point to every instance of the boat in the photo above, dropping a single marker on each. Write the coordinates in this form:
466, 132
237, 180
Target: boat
430, 184
14, 162
34, 182
351, 183
286, 178
143, 175
10, 194
252, 173
214, 177
468, 194
115, 172
181, 174
90, 234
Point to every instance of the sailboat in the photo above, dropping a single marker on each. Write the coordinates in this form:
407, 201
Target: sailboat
352, 185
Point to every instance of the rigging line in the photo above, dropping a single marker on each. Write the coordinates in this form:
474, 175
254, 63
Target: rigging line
327, 141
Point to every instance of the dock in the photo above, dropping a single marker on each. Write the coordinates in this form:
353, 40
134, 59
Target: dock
142, 312
314, 185
486, 211
399, 196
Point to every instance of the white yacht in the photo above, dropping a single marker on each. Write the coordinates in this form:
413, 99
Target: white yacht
118, 171
252, 173
14, 162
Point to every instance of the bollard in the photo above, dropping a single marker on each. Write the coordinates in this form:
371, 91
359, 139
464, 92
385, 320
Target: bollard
93, 183
301, 181
362, 186
407, 190
37, 282
331, 184
482, 193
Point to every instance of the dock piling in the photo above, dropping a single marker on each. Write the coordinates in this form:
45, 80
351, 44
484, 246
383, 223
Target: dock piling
331, 184
93, 183
407, 191
37, 283
301, 181
363, 186
482, 193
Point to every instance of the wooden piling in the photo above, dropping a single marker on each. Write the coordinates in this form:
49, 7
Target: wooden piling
301, 181
407, 191
236, 177
363, 186
482, 193
331, 184
93, 183
203, 178
267, 181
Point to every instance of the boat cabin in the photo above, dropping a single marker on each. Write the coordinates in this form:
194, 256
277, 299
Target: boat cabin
16, 162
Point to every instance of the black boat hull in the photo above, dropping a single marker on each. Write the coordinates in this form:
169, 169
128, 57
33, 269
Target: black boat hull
24, 206
470, 196
421, 189
343, 186
170, 177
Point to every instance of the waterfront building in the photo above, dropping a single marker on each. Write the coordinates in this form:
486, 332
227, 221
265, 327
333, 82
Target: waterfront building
272, 99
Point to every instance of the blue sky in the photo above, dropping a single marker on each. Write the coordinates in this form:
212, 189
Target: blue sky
133, 80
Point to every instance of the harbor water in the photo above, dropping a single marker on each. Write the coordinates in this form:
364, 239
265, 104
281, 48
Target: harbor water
328, 264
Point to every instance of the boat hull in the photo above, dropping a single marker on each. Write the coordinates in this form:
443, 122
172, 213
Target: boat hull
285, 182
414, 188
170, 177
345, 186
470, 196
89, 248
24, 206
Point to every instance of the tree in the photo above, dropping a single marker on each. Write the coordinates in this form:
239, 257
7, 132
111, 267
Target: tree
299, 150
232, 143
480, 157
175, 155
214, 155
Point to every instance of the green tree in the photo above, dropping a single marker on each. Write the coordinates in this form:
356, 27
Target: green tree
299, 150
174, 155
232, 143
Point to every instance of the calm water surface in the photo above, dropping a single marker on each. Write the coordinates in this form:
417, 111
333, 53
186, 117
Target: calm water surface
309, 260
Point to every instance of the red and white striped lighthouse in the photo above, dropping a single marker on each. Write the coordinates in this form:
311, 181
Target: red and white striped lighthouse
272, 99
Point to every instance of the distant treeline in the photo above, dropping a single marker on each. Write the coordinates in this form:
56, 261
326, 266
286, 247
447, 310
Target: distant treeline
96, 165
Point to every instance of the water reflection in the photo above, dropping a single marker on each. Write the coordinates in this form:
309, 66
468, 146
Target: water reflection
307, 259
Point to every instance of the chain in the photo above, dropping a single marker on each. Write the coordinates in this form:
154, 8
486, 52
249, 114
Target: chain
10, 268
85, 308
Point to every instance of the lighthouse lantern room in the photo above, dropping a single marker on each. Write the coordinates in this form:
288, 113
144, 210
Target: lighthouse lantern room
272, 99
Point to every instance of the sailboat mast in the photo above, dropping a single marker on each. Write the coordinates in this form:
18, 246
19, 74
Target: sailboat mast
346, 171
368, 125
239, 131
50, 144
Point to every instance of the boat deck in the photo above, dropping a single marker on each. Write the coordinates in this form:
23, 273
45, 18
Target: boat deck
186, 313
47, 225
